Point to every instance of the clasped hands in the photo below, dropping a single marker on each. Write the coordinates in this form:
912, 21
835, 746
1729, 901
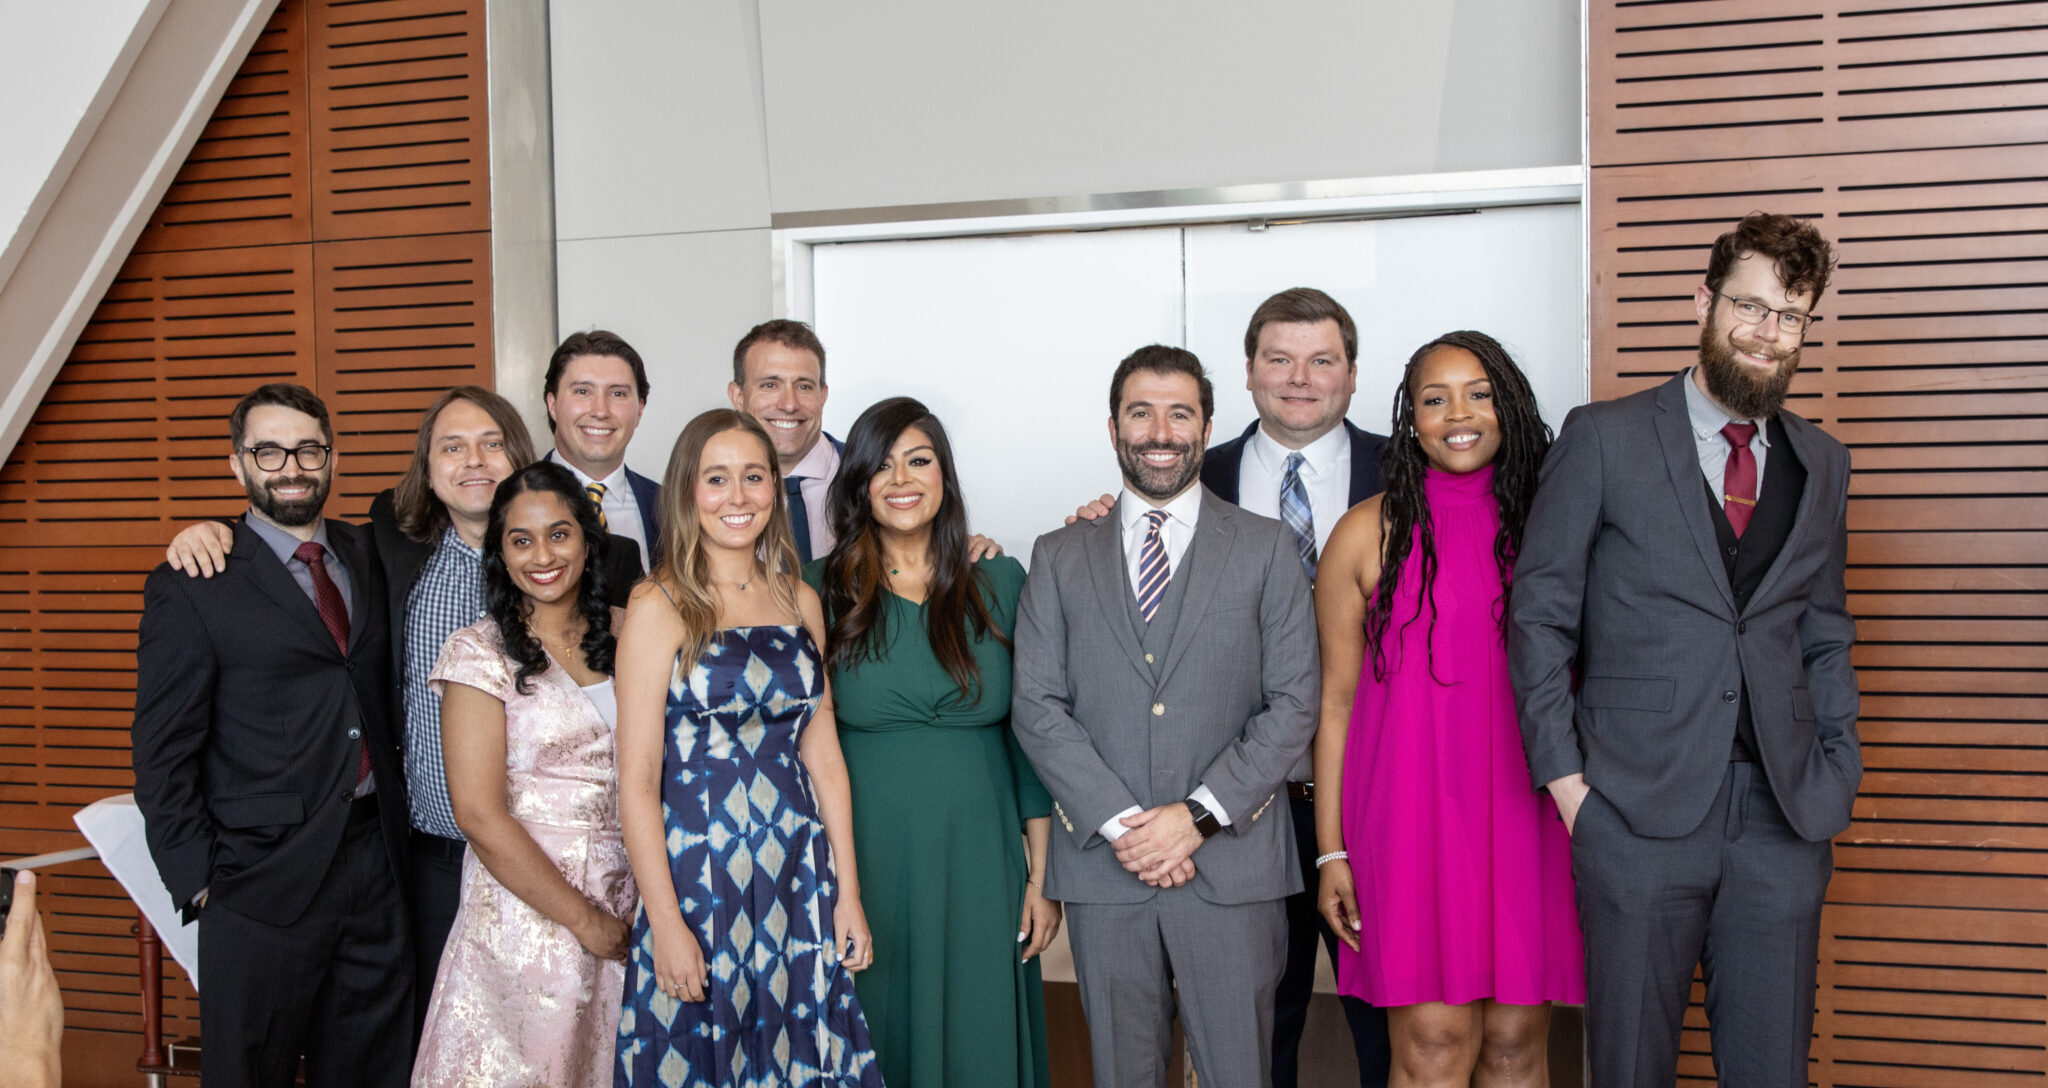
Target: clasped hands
1160, 845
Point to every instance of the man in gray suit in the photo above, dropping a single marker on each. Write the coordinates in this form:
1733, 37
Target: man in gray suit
1685, 556
1166, 680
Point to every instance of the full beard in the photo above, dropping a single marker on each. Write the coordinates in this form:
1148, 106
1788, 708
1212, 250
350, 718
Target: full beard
1736, 384
1155, 482
289, 514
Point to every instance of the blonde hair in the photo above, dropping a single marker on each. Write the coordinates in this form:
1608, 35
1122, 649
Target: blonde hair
682, 569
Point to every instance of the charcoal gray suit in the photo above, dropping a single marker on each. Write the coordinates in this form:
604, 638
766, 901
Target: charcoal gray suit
1220, 689
1691, 847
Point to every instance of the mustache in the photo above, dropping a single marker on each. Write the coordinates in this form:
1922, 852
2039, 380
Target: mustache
290, 481
1161, 447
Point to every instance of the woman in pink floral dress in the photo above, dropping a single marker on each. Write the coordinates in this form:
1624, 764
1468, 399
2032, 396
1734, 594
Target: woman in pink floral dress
529, 987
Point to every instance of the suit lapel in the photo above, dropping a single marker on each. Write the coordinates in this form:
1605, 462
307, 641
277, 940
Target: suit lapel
1682, 460
277, 583
1106, 562
1201, 567
1809, 504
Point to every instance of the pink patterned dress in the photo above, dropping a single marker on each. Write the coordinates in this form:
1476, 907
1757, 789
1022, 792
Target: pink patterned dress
1464, 874
518, 1001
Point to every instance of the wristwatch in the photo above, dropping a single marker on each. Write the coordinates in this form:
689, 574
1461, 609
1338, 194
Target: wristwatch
1205, 821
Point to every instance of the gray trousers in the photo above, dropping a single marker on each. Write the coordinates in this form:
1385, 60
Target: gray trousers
1225, 962
1740, 896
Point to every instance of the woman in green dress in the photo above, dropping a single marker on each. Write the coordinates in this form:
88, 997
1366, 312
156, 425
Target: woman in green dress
949, 821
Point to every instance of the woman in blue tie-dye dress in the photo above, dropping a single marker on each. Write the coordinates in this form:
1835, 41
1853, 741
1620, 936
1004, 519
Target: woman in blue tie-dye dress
733, 795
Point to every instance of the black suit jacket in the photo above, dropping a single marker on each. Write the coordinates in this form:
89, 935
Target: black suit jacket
249, 724
1220, 464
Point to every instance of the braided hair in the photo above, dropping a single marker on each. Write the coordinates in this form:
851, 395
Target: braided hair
1404, 512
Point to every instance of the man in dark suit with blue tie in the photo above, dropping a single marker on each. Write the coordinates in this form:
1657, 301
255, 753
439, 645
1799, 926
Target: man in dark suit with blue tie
778, 377
1305, 464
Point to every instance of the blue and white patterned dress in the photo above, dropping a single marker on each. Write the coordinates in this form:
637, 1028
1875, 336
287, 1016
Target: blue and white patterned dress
754, 875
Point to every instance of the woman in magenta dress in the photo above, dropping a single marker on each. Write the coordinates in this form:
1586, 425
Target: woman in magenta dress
1448, 879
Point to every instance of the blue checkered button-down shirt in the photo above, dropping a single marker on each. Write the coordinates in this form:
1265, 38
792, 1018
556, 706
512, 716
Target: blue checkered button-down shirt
448, 597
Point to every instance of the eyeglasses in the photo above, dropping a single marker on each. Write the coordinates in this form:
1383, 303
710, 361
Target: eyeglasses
1752, 312
272, 458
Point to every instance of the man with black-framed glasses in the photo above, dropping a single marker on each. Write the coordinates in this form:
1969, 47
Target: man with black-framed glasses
268, 773
1679, 644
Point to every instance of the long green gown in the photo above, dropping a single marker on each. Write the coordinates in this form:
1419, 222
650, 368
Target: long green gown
940, 793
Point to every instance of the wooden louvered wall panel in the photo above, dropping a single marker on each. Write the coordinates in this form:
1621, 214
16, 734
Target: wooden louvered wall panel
375, 297
1725, 79
400, 320
1872, 120
399, 129
243, 184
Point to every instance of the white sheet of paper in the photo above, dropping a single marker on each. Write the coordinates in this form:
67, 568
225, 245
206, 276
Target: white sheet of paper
113, 825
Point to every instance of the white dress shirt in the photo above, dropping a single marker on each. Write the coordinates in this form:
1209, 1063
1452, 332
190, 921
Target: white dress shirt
1325, 473
1706, 419
621, 507
817, 469
1177, 533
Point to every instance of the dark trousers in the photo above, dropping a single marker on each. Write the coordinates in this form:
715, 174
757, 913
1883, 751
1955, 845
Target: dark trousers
1290, 1005
436, 889
1740, 896
335, 986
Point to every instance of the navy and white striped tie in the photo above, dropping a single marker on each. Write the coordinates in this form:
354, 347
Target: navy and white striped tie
1152, 571
1294, 510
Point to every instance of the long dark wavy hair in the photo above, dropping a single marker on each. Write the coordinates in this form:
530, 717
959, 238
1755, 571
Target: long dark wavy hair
1404, 512
508, 607
853, 579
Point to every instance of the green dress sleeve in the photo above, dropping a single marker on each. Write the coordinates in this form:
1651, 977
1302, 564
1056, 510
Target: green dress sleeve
1006, 585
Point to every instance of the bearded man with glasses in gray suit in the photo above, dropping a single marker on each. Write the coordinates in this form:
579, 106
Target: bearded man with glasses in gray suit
1680, 654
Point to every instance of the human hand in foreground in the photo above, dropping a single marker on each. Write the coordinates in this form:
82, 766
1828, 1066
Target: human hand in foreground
31, 1009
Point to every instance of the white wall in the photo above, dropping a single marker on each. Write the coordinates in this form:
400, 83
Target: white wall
682, 129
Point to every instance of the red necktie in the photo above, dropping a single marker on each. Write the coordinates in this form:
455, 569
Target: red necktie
1738, 481
333, 613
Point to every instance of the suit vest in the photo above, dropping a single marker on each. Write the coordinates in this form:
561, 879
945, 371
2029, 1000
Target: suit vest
1745, 560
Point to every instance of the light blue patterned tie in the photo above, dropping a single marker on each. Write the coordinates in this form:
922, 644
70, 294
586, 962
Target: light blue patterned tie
1152, 572
1294, 510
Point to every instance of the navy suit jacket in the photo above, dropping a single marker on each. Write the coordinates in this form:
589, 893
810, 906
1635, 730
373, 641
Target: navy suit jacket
1220, 464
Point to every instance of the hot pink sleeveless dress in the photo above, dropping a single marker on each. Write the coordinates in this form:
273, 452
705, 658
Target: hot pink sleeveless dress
1464, 874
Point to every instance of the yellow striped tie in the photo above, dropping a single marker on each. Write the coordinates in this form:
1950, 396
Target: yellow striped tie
596, 493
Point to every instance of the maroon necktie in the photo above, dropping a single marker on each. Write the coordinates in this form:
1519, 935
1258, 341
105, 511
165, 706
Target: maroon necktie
333, 613
1738, 482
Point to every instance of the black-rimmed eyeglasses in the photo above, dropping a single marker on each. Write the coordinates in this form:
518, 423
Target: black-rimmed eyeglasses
272, 458
1751, 312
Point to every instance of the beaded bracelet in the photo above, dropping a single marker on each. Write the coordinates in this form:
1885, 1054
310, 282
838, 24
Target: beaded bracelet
1334, 855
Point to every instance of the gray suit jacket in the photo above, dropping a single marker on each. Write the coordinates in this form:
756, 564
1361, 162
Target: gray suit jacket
1231, 705
1620, 577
